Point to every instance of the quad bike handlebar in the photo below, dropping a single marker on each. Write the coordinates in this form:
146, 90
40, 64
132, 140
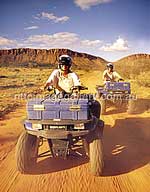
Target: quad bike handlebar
75, 90
120, 79
79, 88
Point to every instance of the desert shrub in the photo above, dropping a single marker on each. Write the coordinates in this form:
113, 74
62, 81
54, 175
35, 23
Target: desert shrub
143, 79
3, 76
16, 70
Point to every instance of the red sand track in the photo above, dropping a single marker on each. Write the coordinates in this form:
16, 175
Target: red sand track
126, 154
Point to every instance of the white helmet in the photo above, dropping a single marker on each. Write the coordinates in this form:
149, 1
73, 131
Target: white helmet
65, 60
110, 65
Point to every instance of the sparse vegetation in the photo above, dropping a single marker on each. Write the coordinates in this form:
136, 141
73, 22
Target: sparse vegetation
132, 66
17, 81
144, 79
28, 80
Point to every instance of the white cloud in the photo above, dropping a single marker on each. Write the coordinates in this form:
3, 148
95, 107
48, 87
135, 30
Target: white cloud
31, 27
119, 45
51, 16
90, 43
74, 42
86, 4
7, 42
61, 40
36, 17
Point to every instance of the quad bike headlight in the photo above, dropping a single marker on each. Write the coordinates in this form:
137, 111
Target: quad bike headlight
36, 126
79, 126
28, 125
111, 84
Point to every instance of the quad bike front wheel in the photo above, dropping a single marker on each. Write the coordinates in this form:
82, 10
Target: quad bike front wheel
103, 106
96, 157
96, 109
96, 152
26, 152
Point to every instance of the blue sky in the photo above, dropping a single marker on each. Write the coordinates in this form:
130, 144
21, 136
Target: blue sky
110, 29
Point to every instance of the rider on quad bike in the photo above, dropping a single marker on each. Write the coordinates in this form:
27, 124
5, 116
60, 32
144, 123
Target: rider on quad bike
112, 89
62, 122
110, 75
63, 79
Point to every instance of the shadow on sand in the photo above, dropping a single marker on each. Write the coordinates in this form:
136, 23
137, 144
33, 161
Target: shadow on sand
126, 146
50, 165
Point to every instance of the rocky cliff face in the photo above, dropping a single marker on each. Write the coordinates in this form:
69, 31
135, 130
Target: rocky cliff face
43, 57
49, 58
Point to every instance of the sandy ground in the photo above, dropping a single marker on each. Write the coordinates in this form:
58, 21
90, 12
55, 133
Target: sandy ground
126, 156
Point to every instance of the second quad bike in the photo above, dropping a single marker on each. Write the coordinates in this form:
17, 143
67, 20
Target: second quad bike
117, 92
63, 122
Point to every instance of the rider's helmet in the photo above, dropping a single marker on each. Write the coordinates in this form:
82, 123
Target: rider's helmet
110, 65
65, 60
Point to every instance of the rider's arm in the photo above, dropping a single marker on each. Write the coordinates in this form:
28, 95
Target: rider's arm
76, 80
52, 80
104, 76
117, 76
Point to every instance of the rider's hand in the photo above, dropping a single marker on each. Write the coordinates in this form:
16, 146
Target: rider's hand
49, 88
44, 88
75, 90
120, 79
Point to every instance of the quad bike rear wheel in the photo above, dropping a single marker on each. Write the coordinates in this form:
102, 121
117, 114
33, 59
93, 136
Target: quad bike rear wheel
132, 107
26, 152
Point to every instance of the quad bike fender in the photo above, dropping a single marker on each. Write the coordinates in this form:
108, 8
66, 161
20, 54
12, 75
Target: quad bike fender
96, 132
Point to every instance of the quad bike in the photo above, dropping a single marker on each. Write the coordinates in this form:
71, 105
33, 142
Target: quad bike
63, 122
116, 92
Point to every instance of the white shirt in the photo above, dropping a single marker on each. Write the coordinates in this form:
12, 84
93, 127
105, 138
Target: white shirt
113, 76
57, 79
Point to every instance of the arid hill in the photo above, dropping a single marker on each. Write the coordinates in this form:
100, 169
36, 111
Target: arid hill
133, 65
48, 58
25, 57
